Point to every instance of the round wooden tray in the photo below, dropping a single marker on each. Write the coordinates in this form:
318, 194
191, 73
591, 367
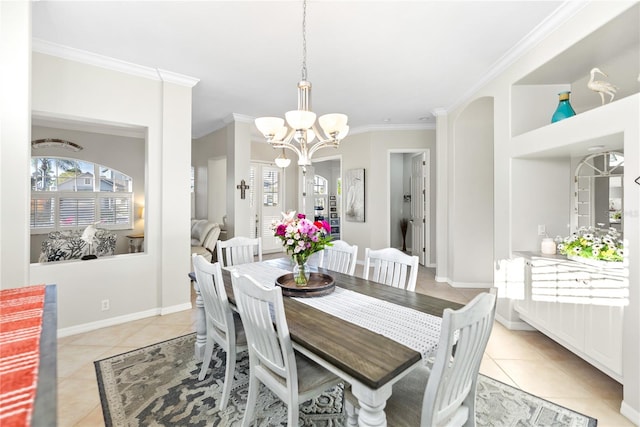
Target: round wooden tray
319, 284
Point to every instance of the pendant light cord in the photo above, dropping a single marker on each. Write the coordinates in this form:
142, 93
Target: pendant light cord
304, 40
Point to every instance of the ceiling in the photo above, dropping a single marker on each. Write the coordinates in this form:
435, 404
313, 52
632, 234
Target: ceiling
383, 63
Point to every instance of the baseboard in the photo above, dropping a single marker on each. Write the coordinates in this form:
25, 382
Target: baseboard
514, 326
113, 321
471, 285
176, 308
442, 279
630, 413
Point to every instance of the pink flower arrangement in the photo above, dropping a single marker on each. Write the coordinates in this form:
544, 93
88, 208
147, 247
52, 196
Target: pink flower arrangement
301, 237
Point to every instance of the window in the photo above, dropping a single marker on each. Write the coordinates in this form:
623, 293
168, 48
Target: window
270, 189
64, 194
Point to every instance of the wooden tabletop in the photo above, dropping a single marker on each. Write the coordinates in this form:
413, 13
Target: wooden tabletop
365, 355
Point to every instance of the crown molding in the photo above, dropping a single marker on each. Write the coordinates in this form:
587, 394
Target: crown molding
42, 119
439, 112
235, 117
176, 78
90, 58
390, 127
561, 15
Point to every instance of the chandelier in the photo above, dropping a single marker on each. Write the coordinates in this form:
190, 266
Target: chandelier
301, 133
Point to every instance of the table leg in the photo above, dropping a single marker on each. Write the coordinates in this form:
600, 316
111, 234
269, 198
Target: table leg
201, 326
372, 403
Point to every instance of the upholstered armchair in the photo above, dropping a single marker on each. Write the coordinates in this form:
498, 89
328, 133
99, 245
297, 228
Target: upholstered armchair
204, 236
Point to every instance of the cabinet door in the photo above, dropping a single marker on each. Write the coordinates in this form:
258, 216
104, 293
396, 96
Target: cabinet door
604, 340
569, 323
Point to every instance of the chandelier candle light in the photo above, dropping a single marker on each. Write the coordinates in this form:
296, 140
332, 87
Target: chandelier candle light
301, 133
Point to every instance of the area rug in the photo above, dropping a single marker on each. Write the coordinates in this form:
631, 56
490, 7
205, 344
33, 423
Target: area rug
158, 386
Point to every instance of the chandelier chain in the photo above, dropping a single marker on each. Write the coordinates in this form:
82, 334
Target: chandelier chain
304, 40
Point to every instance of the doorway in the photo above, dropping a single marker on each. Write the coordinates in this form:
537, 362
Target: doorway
410, 203
326, 194
266, 201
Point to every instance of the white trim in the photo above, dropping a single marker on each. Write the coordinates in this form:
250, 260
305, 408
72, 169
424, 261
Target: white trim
58, 121
113, 321
441, 279
176, 78
109, 63
629, 412
514, 326
472, 285
235, 117
391, 127
552, 22
175, 308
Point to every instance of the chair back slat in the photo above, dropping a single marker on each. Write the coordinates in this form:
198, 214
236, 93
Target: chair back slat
392, 267
340, 257
262, 312
239, 250
217, 310
463, 340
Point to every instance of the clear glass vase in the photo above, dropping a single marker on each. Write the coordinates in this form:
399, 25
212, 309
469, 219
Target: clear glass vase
564, 110
301, 271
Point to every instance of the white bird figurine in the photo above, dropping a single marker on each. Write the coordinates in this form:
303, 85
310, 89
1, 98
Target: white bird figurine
600, 86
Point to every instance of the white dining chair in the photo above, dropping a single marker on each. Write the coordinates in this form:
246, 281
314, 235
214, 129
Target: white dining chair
340, 257
390, 267
224, 326
239, 250
272, 361
444, 395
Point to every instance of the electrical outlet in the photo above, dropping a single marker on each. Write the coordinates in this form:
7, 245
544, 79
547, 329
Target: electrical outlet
542, 230
105, 304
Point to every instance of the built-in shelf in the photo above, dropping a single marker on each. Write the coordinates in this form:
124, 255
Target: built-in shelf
614, 48
576, 135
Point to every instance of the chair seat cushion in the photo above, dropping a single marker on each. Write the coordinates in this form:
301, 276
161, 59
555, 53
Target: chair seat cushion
310, 375
404, 407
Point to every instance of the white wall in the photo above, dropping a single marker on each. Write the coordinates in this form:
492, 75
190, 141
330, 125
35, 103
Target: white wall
141, 284
472, 202
542, 198
15, 135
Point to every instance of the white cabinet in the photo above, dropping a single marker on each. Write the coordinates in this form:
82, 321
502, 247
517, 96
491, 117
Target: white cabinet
577, 305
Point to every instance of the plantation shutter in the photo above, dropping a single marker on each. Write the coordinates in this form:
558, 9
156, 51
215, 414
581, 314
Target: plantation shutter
115, 210
77, 211
42, 212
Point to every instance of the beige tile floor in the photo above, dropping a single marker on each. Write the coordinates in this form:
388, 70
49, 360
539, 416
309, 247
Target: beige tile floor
527, 360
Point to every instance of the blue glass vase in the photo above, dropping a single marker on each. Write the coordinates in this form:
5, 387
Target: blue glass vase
564, 109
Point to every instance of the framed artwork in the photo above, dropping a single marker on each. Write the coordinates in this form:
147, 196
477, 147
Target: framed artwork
334, 215
332, 197
354, 201
332, 203
333, 209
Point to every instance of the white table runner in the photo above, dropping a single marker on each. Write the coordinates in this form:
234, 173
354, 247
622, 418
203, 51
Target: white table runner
417, 330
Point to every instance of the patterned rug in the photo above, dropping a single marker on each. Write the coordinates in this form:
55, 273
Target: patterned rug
158, 386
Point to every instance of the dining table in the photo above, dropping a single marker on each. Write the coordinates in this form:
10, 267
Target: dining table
368, 360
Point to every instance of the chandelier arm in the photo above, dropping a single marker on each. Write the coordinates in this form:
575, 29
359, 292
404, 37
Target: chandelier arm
320, 133
318, 145
288, 146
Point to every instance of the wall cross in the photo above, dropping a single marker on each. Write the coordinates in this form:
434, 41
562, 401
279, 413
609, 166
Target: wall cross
242, 187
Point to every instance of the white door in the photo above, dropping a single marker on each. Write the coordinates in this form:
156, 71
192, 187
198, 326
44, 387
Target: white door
266, 187
419, 206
